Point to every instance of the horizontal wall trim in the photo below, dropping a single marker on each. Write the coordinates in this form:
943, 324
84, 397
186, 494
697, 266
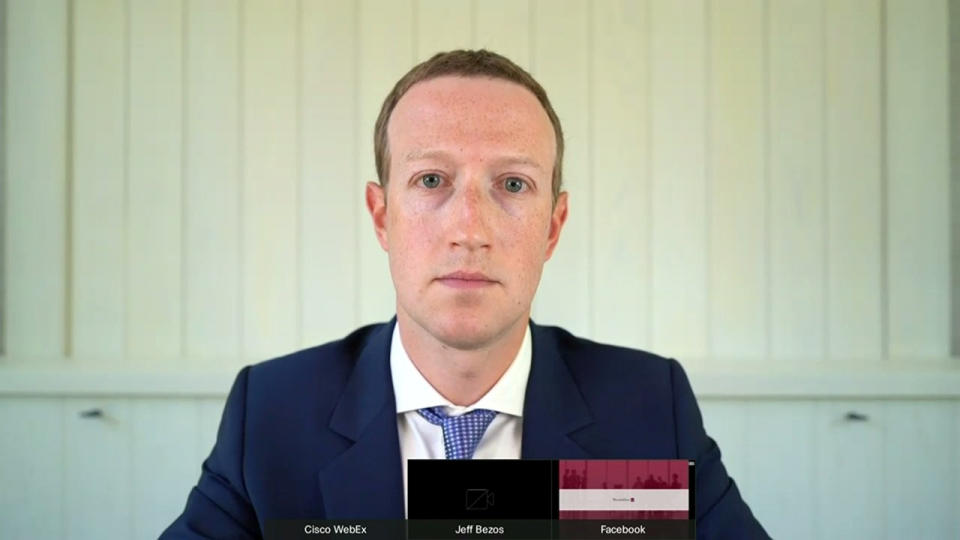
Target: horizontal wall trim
902, 381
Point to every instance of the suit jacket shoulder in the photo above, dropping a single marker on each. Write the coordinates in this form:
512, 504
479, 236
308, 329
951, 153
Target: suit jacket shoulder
638, 405
313, 434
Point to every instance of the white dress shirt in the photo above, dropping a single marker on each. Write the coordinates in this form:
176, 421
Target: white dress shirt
419, 439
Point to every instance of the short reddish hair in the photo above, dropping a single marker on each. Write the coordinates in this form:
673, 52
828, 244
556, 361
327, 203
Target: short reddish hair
479, 63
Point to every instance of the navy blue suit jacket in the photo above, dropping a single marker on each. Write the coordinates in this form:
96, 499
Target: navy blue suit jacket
313, 435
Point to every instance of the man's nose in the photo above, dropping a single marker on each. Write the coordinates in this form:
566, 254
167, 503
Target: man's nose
471, 217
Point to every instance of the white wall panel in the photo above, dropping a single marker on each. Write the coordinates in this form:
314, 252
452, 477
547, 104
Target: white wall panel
270, 151
386, 52
164, 461
154, 181
561, 30
504, 26
853, 176
848, 467
737, 213
98, 464
32, 468
620, 172
442, 25
679, 198
331, 196
98, 215
35, 273
796, 196
781, 454
919, 449
918, 194
211, 190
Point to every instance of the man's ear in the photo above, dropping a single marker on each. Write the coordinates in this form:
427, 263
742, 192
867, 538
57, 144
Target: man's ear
377, 206
557, 219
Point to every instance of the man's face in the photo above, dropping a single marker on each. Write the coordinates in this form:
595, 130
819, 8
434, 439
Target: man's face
468, 218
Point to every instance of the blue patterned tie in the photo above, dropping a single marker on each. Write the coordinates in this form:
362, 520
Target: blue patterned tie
461, 434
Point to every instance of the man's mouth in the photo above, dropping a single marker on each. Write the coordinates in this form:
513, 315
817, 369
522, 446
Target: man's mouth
466, 280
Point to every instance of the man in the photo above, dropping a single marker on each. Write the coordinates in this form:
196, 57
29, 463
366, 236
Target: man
468, 208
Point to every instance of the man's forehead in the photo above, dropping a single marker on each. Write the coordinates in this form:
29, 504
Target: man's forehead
467, 110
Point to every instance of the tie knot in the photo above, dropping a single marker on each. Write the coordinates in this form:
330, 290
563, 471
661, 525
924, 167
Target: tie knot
461, 434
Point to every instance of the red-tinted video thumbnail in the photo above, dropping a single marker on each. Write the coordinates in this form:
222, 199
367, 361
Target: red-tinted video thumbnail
624, 489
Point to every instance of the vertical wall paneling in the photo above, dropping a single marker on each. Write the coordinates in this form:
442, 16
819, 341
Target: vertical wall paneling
853, 179
503, 26
849, 456
31, 471
919, 502
153, 253
98, 484
386, 52
918, 198
736, 180
3, 173
211, 184
797, 217
679, 227
36, 183
619, 171
164, 467
331, 201
954, 130
98, 181
442, 25
270, 161
782, 445
562, 31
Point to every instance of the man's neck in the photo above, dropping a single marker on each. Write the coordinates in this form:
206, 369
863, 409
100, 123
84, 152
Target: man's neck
461, 376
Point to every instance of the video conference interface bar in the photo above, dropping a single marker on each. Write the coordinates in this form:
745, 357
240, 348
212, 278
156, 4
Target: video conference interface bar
528, 499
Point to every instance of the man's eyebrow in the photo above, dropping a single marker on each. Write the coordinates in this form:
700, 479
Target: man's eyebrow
519, 160
415, 155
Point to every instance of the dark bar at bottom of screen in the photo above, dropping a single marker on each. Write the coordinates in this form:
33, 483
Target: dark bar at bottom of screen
507, 529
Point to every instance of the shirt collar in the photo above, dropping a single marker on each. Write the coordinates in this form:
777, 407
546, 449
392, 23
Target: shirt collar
413, 391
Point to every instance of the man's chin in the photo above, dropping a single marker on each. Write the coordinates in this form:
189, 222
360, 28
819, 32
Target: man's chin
465, 339
469, 333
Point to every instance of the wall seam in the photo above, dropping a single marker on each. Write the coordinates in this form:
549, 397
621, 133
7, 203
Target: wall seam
767, 194
953, 127
707, 179
184, 133
241, 188
591, 208
825, 345
648, 21
3, 177
298, 184
68, 192
125, 210
357, 204
884, 204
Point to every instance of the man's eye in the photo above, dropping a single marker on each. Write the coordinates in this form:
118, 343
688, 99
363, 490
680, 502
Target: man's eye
514, 184
430, 180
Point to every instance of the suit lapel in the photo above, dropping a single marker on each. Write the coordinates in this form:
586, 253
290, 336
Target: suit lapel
553, 408
366, 480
